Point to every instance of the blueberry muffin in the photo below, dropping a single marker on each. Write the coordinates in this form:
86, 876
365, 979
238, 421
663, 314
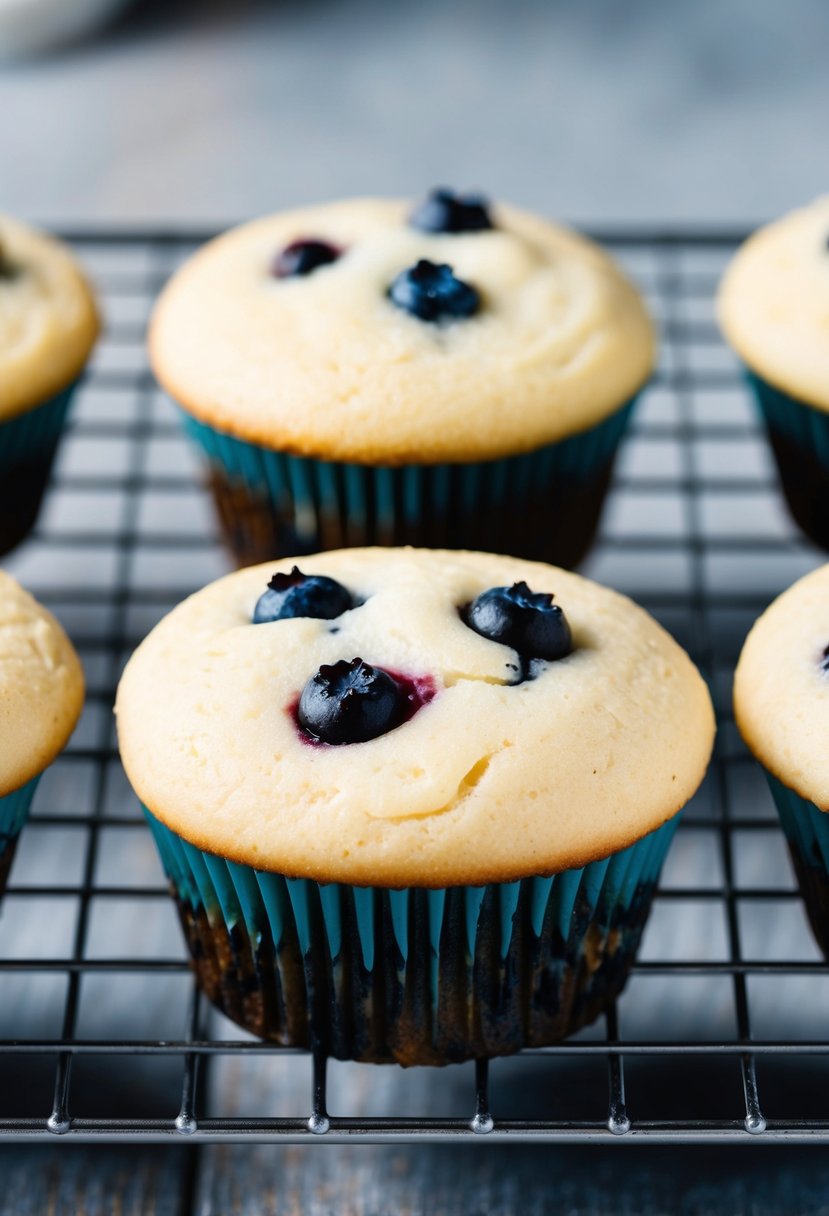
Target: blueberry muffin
781, 702
48, 326
373, 372
774, 310
41, 697
412, 804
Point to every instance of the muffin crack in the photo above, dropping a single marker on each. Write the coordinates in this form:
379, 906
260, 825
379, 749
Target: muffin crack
450, 679
471, 779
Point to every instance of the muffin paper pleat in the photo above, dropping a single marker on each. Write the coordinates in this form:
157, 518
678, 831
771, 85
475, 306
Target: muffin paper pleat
806, 828
801, 423
14, 810
799, 437
35, 432
28, 443
414, 975
547, 502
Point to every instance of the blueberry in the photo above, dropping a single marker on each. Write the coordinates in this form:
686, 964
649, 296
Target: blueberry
527, 621
432, 293
350, 703
445, 211
824, 662
301, 257
298, 594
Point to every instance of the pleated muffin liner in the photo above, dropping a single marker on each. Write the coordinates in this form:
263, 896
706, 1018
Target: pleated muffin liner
14, 811
799, 437
806, 828
545, 504
28, 443
415, 976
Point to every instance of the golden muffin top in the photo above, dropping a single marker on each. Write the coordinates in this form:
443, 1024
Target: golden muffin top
774, 303
41, 687
781, 688
485, 755
48, 319
347, 332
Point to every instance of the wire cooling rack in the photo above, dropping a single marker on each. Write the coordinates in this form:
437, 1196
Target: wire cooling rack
721, 1033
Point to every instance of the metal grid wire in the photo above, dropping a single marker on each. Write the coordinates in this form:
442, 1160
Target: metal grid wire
721, 1032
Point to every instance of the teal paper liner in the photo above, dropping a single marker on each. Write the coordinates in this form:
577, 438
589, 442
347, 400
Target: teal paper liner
544, 504
14, 810
28, 443
799, 437
414, 976
806, 828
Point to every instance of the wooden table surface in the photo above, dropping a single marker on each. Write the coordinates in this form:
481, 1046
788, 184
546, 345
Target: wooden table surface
490, 1181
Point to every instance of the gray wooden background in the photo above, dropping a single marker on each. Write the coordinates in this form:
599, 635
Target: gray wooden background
218, 109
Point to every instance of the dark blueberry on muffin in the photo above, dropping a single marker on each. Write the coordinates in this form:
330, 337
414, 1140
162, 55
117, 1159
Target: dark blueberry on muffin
303, 257
526, 620
824, 662
350, 703
298, 594
433, 293
445, 211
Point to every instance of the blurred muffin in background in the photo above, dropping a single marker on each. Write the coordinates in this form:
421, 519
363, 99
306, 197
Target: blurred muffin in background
453, 373
781, 703
31, 27
41, 698
774, 311
48, 327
